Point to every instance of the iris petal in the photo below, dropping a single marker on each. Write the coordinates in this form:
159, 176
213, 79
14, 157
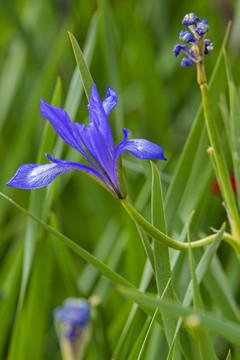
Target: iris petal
141, 148
93, 141
110, 100
62, 124
98, 117
76, 166
32, 176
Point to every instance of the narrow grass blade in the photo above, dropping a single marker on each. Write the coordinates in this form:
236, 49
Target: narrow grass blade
43, 277
229, 356
235, 133
82, 66
146, 276
147, 247
221, 326
161, 256
146, 337
110, 56
104, 246
9, 294
203, 339
75, 90
223, 106
216, 283
141, 340
201, 269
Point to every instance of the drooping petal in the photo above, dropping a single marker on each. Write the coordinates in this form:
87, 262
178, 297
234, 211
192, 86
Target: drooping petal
110, 100
98, 117
32, 176
96, 173
141, 148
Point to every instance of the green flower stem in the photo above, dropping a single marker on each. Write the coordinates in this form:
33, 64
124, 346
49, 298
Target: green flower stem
163, 238
221, 165
201, 77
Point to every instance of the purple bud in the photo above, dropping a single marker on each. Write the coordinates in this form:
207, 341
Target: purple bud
178, 48
73, 315
190, 19
186, 37
207, 42
187, 62
208, 46
202, 28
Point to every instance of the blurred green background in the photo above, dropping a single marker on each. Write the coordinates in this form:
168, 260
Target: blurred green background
128, 45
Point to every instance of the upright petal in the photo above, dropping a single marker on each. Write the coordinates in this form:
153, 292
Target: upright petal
98, 117
93, 141
110, 100
62, 124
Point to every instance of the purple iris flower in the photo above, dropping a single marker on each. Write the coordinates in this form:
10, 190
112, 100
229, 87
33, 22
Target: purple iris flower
94, 142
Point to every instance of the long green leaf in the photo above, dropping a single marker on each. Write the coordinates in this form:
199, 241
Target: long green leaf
201, 269
221, 326
217, 284
75, 90
10, 294
110, 56
235, 133
141, 340
146, 276
161, 254
206, 348
82, 66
